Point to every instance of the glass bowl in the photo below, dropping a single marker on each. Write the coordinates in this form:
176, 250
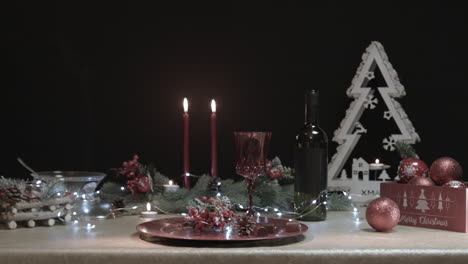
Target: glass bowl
82, 185
79, 183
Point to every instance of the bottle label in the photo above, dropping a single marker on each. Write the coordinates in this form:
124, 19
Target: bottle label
311, 166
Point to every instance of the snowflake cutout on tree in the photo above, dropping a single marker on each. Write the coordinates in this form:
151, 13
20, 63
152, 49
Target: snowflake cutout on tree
389, 143
370, 102
387, 115
370, 75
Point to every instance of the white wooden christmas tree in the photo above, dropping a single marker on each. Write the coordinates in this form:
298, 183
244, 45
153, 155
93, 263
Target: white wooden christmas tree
384, 176
351, 130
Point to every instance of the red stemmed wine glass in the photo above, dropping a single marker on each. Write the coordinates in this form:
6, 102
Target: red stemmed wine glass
251, 154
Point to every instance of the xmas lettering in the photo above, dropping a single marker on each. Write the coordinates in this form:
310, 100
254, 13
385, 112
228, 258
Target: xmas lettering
369, 192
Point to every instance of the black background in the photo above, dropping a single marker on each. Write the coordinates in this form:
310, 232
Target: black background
88, 86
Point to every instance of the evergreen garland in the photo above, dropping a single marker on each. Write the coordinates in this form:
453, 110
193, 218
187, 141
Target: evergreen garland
406, 150
273, 193
267, 193
339, 201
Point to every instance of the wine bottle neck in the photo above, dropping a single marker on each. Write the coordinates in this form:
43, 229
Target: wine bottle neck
312, 108
312, 114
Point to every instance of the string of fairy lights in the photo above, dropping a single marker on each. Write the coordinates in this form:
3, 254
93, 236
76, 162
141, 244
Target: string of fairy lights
259, 211
83, 223
80, 221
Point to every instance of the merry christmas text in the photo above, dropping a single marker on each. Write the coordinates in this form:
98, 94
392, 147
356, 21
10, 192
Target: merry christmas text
423, 220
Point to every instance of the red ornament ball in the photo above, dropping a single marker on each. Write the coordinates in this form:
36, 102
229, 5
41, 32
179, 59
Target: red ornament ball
410, 168
444, 170
382, 214
454, 184
422, 181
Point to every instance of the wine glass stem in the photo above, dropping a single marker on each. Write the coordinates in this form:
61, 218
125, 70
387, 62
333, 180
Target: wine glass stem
251, 186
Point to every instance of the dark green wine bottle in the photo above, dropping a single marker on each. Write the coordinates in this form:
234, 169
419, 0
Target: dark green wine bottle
311, 164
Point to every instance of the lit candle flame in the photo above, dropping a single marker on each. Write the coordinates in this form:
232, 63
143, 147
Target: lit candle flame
377, 161
148, 206
185, 104
213, 106
170, 182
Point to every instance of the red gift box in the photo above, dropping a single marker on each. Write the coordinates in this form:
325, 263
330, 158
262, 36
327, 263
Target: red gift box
429, 206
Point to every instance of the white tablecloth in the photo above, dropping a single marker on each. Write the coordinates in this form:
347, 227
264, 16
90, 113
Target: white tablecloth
338, 240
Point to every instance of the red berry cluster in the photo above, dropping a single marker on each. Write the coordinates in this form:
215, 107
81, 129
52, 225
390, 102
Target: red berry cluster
137, 182
273, 172
211, 213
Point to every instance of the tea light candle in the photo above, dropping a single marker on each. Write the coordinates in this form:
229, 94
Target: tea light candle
377, 165
148, 213
171, 187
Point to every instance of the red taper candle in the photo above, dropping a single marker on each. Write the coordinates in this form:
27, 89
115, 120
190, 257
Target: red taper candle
214, 148
186, 146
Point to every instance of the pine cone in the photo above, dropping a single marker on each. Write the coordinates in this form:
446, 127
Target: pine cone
215, 185
246, 225
118, 203
31, 193
13, 194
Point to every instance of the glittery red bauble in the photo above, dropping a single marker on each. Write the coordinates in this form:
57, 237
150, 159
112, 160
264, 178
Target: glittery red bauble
454, 184
444, 170
410, 168
422, 181
383, 214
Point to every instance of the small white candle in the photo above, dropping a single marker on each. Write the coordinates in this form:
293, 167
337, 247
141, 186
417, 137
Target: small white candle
148, 213
377, 165
171, 187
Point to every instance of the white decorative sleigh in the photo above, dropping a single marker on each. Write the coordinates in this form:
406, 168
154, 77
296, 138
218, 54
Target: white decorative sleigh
36, 212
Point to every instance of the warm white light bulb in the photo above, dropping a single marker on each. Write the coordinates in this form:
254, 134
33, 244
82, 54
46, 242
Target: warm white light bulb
213, 106
148, 206
377, 161
170, 182
185, 104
